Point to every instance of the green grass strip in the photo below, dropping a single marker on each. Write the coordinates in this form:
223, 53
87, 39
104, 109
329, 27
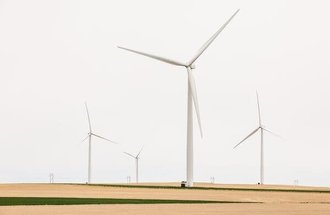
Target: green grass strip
15, 201
213, 188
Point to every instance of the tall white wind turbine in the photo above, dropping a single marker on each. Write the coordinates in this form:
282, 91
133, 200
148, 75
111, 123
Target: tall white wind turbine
89, 137
192, 94
262, 129
136, 158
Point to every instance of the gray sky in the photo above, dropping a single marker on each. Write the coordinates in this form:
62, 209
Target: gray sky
55, 55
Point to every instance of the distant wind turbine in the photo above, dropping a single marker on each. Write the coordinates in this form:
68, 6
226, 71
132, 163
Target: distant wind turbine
262, 129
136, 158
89, 137
192, 94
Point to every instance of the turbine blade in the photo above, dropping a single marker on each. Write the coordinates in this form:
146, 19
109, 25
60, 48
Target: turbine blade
253, 132
129, 154
208, 43
89, 120
259, 115
173, 62
139, 152
193, 91
85, 138
272, 133
103, 138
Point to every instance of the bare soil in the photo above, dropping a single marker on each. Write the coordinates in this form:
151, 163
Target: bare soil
273, 202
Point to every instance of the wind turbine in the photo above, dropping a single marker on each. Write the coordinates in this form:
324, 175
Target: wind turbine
192, 94
89, 137
262, 129
136, 158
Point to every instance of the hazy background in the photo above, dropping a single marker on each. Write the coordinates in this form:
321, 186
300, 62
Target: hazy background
55, 55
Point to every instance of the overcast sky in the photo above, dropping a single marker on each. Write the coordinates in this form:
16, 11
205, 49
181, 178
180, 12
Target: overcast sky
55, 55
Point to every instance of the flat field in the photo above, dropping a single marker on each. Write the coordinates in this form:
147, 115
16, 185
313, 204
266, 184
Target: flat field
232, 199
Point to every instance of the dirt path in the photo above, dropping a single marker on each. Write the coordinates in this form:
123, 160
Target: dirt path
228, 209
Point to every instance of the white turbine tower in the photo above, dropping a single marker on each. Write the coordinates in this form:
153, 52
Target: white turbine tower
89, 137
136, 158
192, 94
262, 129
